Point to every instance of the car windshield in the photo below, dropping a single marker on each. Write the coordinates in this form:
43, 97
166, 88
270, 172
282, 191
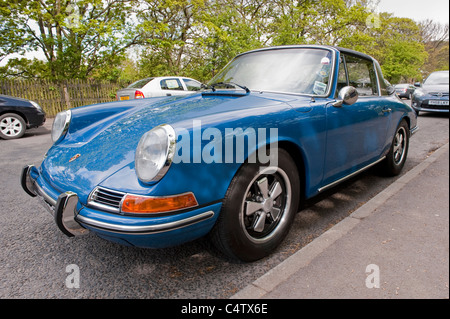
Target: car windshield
290, 70
139, 84
438, 79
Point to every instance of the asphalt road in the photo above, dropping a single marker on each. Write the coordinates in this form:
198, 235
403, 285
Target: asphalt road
38, 261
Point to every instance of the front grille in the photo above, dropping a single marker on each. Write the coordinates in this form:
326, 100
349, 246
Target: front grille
439, 94
106, 199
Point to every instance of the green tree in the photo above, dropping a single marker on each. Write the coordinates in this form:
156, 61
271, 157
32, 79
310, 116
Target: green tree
12, 39
166, 31
231, 27
77, 37
399, 48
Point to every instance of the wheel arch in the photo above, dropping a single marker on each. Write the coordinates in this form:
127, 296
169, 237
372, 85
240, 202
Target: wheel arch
17, 113
298, 157
407, 120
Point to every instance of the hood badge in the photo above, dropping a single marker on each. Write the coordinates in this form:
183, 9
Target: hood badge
74, 157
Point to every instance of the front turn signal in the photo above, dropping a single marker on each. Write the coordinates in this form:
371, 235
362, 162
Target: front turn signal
136, 204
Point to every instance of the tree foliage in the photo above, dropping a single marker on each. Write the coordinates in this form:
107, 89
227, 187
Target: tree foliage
76, 38
90, 38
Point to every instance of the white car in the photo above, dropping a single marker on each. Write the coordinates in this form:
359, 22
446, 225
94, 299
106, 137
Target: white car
159, 86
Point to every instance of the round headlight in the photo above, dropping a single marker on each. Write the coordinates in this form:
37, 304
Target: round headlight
61, 125
155, 153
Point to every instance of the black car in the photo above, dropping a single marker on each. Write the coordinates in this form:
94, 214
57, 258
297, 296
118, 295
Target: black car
432, 95
17, 115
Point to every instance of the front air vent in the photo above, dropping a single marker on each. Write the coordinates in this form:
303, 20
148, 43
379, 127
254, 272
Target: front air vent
106, 199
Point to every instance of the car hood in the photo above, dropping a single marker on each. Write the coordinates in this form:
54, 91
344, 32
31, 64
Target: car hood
6, 100
89, 154
435, 88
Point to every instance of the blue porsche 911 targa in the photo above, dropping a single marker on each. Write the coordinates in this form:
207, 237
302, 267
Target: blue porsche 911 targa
233, 161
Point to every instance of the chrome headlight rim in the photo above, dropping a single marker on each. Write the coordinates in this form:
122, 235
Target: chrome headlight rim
61, 125
166, 158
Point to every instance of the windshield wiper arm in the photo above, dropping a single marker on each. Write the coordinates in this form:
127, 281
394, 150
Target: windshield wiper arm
213, 86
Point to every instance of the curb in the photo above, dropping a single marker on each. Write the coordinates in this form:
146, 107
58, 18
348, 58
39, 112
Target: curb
281, 273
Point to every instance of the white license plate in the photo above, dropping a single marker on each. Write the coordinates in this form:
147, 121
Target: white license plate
437, 102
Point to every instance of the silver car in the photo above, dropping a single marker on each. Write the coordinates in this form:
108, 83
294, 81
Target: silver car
158, 86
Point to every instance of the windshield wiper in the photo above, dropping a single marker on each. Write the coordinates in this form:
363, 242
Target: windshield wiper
213, 86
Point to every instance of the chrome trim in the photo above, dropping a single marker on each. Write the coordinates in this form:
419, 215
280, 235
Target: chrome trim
92, 200
27, 182
65, 215
148, 229
34, 190
48, 202
351, 175
378, 79
413, 131
93, 203
63, 210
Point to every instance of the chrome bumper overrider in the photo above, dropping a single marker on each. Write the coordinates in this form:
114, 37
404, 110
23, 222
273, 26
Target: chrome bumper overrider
68, 220
64, 209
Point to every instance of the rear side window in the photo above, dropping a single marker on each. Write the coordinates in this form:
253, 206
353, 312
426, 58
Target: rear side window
139, 84
171, 84
362, 75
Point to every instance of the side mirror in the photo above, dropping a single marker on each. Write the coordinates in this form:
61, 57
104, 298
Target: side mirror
390, 89
417, 84
347, 95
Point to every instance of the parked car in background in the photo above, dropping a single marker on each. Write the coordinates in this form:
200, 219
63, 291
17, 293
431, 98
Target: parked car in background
17, 115
275, 127
432, 95
405, 90
159, 86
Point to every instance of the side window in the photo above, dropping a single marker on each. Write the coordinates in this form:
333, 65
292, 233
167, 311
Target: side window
171, 84
192, 85
362, 75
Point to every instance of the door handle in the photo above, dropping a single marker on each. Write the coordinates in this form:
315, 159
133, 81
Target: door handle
388, 110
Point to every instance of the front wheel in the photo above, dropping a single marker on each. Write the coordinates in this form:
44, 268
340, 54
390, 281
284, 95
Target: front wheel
258, 209
396, 158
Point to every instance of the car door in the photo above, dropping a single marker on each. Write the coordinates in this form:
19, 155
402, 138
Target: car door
356, 133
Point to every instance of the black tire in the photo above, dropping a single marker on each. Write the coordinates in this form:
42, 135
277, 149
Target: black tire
258, 209
12, 126
396, 157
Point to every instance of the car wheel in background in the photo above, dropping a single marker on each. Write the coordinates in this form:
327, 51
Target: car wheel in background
12, 126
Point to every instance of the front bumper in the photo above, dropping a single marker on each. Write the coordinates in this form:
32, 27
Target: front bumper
63, 209
74, 219
431, 105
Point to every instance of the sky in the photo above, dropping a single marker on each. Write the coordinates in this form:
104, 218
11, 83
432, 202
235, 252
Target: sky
417, 10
